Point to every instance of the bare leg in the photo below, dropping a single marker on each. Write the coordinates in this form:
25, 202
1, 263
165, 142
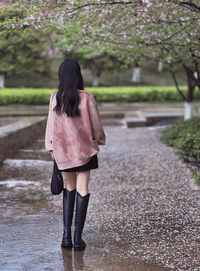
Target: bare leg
82, 182
70, 180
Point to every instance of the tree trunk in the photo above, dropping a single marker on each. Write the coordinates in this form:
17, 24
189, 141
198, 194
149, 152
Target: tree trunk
95, 82
160, 65
2, 80
136, 78
191, 82
188, 110
190, 93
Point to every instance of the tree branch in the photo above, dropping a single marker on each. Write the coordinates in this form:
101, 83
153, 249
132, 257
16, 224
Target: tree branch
102, 3
189, 5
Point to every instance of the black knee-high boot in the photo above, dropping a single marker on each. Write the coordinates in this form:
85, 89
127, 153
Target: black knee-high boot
80, 216
68, 210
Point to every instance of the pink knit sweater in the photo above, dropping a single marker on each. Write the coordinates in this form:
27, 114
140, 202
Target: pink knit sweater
74, 140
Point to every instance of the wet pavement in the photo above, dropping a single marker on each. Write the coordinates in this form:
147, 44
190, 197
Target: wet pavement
119, 107
143, 213
9, 120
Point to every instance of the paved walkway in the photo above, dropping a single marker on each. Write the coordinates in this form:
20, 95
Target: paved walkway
128, 108
143, 213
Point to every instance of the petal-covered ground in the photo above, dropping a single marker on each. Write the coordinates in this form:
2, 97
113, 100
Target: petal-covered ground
143, 213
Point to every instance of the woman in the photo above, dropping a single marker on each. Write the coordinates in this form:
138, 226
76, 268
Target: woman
73, 133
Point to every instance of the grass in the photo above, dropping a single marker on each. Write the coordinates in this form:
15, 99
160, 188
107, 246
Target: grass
102, 94
195, 175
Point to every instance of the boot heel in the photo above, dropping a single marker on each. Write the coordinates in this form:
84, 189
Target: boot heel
81, 246
67, 244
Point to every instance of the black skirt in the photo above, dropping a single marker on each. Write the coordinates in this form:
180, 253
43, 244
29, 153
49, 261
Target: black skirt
92, 164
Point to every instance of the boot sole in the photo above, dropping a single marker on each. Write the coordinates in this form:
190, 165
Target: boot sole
66, 246
78, 248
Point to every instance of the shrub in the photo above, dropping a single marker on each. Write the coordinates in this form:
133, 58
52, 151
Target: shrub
185, 136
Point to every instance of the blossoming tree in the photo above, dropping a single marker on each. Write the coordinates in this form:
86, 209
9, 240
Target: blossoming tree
131, 30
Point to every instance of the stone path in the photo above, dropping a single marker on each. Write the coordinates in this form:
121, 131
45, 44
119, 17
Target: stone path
143, 213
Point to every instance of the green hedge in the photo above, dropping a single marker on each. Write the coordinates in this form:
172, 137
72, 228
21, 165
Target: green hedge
185, 136
24, 96
139, 94
102, 94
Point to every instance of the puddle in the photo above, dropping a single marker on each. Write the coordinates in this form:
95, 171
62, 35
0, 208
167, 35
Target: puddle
16, 183
28, 163
8, 120
30, 150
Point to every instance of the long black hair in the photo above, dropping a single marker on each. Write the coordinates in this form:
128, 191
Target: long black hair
71, 80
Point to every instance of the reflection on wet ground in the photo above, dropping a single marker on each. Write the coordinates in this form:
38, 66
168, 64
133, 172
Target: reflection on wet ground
143, 213
8, 120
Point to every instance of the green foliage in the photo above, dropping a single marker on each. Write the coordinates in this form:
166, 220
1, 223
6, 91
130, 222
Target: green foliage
95, 62
102, 94
21, 49
185, 136
10, 14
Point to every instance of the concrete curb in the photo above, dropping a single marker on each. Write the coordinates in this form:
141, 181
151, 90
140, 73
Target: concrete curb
151, 119
19, 134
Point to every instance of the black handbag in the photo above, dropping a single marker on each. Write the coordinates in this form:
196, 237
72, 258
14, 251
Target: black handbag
56, 180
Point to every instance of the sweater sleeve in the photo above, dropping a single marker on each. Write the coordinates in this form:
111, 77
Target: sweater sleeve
49, 132
97, 129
